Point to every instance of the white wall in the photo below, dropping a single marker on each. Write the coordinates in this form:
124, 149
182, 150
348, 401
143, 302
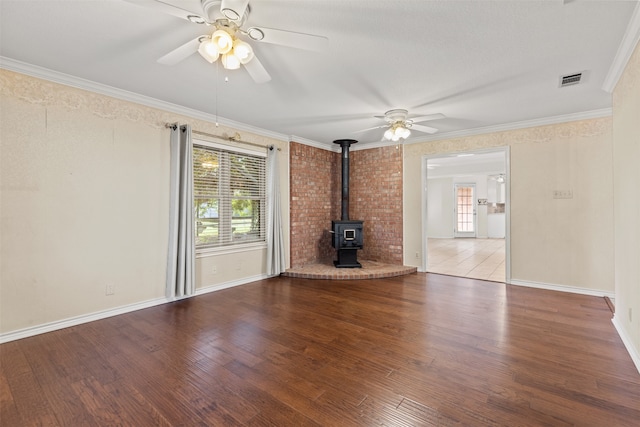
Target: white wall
440, 208
84, 196
565, 243
626, 179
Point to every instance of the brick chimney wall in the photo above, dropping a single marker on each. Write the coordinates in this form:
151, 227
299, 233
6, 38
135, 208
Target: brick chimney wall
315, 201
376, 198
375, 181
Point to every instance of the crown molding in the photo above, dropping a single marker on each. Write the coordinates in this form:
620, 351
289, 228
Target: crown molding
625, 50
68, 80
378, 144
585, 115
88, 85
316, 144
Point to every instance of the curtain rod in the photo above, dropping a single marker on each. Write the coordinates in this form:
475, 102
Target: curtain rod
230, 138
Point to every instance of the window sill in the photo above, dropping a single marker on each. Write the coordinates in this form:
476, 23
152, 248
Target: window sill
245, 247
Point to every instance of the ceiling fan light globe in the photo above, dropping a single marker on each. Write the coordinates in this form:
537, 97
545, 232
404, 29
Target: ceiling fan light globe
242, 51
404, 133
388, 134
230, 61
222, 40
208, 50
395, 138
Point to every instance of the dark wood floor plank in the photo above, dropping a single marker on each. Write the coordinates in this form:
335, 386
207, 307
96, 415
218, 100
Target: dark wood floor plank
172, 385
41, 356
25, 389
8, 410
288, 389
415, 350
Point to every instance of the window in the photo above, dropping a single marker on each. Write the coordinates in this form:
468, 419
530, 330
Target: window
228, 195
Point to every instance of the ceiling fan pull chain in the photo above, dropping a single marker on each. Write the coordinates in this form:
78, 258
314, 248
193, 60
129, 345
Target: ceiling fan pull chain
217, 78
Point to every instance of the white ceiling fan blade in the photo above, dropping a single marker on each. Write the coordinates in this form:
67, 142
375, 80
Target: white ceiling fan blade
427, 118
290, 38
167, 8
425, 129
234, 9
181, 53
368, 129
257, 71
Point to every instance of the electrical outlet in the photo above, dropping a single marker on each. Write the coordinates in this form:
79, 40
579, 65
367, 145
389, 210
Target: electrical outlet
109, 289
417, 255
214, 269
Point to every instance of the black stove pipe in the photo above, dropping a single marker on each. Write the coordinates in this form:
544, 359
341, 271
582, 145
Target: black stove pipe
345, 143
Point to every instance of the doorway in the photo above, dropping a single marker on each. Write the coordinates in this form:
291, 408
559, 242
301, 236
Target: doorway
462, 206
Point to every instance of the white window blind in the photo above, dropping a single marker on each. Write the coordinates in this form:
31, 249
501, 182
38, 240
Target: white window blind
229, 196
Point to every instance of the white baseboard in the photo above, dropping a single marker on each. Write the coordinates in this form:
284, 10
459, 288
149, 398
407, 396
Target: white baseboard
563, 288
78, 320
231, 284
633, 352
86, 318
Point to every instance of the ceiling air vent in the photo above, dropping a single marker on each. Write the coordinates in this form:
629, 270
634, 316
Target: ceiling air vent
571, 79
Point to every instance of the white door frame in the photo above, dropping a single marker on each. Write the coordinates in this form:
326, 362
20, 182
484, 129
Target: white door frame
423, 204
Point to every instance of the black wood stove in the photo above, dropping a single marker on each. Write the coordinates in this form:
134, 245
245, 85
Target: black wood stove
347, 234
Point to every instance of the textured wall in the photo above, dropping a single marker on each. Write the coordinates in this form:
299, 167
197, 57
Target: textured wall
376, 198
626, 177
84, 200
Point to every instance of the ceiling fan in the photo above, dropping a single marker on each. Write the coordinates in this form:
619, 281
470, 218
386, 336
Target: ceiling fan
228, 18
399, 124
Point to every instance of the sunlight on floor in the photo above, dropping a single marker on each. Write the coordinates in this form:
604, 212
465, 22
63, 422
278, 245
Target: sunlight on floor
474, 258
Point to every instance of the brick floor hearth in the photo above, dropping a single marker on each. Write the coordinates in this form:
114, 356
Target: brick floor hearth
369, 270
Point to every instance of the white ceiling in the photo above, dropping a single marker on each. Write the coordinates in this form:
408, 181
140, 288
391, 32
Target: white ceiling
480, 63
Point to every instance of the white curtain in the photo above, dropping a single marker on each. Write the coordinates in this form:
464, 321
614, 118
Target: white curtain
181, 257
276, 262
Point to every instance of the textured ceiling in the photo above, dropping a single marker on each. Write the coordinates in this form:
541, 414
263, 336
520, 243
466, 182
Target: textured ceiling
480, 63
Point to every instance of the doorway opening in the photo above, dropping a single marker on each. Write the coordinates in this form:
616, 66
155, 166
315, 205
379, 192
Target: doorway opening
465, 214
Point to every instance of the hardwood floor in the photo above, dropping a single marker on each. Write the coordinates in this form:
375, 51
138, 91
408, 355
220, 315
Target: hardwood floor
421, 349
